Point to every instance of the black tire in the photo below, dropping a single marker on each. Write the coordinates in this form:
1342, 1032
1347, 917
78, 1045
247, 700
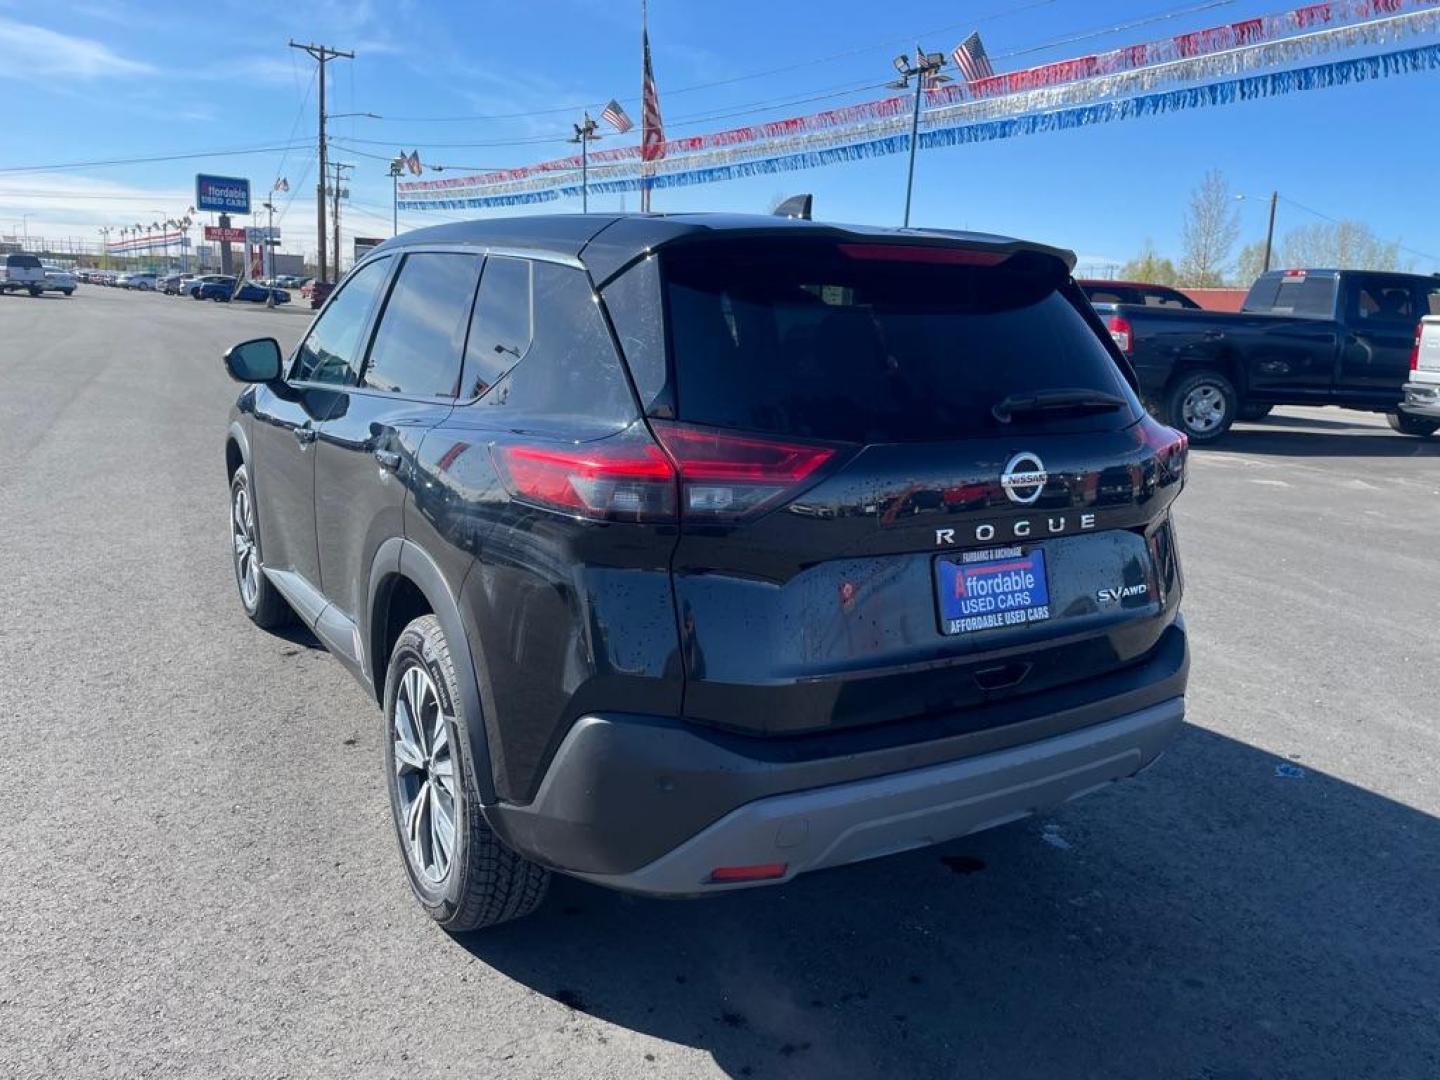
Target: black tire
1408, 424
1253, 412
266, 608
34, 291
68, 292
1184, 398
484, 882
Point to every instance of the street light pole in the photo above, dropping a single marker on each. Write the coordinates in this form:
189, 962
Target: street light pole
584, 134
397, 166
924, 70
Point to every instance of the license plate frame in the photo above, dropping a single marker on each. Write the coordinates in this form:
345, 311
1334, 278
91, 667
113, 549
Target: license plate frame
991, 589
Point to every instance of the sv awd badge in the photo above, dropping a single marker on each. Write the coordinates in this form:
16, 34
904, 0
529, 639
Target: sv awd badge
1114, 596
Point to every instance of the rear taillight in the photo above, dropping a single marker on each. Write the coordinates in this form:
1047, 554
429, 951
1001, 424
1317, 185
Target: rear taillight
1171, 447
917, 253
724, 475
1415, 349
1120, 330
699, 473
625, 478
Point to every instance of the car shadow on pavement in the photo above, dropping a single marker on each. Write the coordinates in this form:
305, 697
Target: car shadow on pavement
1356, 441
1228, 914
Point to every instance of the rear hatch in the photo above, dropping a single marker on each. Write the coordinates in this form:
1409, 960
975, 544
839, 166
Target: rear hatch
913, 479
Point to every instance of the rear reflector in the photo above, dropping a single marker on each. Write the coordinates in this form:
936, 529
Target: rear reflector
915, 253
723, 875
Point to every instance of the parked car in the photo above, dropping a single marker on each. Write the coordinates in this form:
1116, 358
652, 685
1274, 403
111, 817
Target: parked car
1303, 337
697, 557
260, 294
138, 281
1101, 291
169, 284
1422, 391
212, 286
20, 271
61, 281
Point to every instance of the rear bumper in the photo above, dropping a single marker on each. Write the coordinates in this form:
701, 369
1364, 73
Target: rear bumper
640, 802
845, 823
1422, 399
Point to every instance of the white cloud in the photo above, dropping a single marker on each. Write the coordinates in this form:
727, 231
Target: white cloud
28, 51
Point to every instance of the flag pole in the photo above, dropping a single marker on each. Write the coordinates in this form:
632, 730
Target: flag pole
644, 76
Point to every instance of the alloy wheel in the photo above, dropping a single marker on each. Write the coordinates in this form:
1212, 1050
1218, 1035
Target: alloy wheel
242, 534
424, 774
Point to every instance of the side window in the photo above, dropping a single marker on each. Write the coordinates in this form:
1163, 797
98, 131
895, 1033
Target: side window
1430, 300
416, 351
501, 329
635, 305
572, 368
1382, 300
330, 353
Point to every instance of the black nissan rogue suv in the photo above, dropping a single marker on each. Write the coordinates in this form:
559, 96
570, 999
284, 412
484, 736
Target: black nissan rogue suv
691, 553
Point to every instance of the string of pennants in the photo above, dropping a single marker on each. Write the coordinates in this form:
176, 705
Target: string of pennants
1105, 87
149, 243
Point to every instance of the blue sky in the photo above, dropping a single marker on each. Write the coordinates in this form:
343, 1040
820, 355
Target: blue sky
103, 79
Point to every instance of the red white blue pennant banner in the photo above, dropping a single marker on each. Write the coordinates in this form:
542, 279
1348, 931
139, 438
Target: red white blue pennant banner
463, 191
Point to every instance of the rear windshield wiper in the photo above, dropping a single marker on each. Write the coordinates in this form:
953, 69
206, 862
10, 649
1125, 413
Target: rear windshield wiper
1047, 401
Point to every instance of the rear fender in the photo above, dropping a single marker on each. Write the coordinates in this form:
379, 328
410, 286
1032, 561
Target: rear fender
398, 558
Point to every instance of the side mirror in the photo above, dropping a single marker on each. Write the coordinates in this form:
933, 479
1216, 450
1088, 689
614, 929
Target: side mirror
255, 361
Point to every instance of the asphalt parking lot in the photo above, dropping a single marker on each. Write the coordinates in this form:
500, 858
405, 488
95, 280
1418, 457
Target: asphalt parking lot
198, 875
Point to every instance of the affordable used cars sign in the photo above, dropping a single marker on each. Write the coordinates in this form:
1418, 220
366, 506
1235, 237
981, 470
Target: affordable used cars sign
222, 194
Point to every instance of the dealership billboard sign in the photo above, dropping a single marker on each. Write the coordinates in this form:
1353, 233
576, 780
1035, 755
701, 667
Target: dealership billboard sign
222, 194
258, 235
224, 236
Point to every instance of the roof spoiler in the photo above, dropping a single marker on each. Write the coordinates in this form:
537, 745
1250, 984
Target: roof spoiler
797, 206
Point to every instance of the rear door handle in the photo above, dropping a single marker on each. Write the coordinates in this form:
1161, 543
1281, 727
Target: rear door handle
304, 435
388, 459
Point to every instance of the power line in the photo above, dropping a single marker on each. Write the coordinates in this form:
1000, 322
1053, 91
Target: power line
109, 162
1337, 221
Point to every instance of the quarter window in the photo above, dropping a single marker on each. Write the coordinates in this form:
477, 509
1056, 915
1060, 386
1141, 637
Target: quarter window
331, 351
502, 327
418, 345
571, 368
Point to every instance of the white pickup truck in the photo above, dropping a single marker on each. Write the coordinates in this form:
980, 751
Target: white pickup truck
1422, 389
21, 271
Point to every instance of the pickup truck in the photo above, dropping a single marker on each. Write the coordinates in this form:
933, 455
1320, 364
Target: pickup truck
21, 271
1302, 337
1422, 391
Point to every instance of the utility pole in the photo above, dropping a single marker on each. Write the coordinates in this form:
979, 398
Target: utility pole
1270, 232
339, 165
323, 54
584, 135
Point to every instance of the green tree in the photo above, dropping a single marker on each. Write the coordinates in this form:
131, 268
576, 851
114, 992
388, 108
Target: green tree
1250, 263
1212, 225
1150, 267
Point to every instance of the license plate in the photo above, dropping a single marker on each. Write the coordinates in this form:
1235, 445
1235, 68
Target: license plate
987, 590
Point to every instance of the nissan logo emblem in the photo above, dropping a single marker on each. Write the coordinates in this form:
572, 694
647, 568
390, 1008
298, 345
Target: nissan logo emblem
1024, 478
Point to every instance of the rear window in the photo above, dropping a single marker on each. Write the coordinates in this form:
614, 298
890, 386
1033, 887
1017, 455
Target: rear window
1292, 294
23, 262
862, 343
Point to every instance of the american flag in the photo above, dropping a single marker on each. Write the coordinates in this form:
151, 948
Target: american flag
970, 58
652, 142
615, 116
932, 79
413, 163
